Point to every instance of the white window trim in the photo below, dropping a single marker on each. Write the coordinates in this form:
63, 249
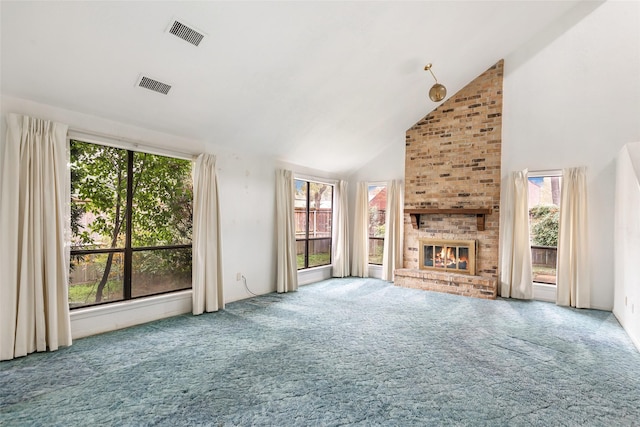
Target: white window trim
126, 144
320, 272
311, 178
542, 173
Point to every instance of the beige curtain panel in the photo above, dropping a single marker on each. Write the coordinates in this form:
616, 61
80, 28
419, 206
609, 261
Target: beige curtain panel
34, 255
360, 257
573, 287
286, 265
515, 272
393, 232
340, 254
207, 285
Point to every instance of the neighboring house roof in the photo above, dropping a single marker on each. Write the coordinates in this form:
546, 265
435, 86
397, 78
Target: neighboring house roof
380, 200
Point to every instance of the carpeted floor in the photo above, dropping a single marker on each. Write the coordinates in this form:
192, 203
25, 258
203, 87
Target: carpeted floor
339, 352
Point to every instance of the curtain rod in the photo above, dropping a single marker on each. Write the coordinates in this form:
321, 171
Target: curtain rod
127, 143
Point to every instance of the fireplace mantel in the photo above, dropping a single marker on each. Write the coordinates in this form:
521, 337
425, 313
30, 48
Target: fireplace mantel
479, 213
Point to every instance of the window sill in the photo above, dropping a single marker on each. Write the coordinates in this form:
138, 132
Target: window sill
314, 274
375, 271
544, 292
110, 317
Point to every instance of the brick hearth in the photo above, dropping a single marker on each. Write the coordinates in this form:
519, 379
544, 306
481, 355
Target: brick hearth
451, 283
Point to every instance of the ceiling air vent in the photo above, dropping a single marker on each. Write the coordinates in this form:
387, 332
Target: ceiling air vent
154, 85
186, 33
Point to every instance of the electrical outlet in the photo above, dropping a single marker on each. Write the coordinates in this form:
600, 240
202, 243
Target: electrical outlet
239, 277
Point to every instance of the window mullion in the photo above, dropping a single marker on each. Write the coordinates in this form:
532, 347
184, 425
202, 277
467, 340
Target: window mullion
306, 242
128, 253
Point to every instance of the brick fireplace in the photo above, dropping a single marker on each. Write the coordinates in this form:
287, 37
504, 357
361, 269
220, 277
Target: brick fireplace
452, 188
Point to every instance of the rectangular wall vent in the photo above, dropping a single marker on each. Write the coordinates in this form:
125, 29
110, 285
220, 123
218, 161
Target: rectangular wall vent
186, 33
154, 85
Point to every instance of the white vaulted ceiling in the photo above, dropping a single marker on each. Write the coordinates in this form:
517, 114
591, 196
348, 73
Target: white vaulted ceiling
326, 85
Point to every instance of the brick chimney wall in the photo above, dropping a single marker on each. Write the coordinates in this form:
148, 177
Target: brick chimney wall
453, 161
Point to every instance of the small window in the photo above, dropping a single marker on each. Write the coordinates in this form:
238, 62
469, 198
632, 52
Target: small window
544, 217
313, 216
131, 223
377, 212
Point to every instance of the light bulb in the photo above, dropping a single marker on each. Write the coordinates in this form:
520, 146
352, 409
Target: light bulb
437, 92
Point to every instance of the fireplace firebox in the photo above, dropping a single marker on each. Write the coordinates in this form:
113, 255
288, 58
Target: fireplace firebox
453, 256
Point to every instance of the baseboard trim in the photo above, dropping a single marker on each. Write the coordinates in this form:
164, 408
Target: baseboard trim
635, 340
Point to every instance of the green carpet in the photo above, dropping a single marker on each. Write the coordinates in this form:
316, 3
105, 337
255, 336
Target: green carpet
339, 352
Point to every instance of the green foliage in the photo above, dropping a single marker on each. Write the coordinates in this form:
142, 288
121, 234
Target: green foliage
83, 293
540, 211
162, 200
77, 209
162, 194
376, 222
314, 260
159, 264
544, 225
98, 189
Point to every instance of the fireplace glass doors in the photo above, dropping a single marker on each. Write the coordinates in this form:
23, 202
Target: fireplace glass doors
453, 256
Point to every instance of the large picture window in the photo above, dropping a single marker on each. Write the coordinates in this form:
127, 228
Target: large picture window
131, 223
313, 215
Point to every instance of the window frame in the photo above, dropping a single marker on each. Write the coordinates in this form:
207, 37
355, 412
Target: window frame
128, 249
555, 173
308, 180
372, 238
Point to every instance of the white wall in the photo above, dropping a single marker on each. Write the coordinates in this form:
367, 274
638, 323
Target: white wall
247, 201
246, 187
572, 98
385, 167
626, 305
